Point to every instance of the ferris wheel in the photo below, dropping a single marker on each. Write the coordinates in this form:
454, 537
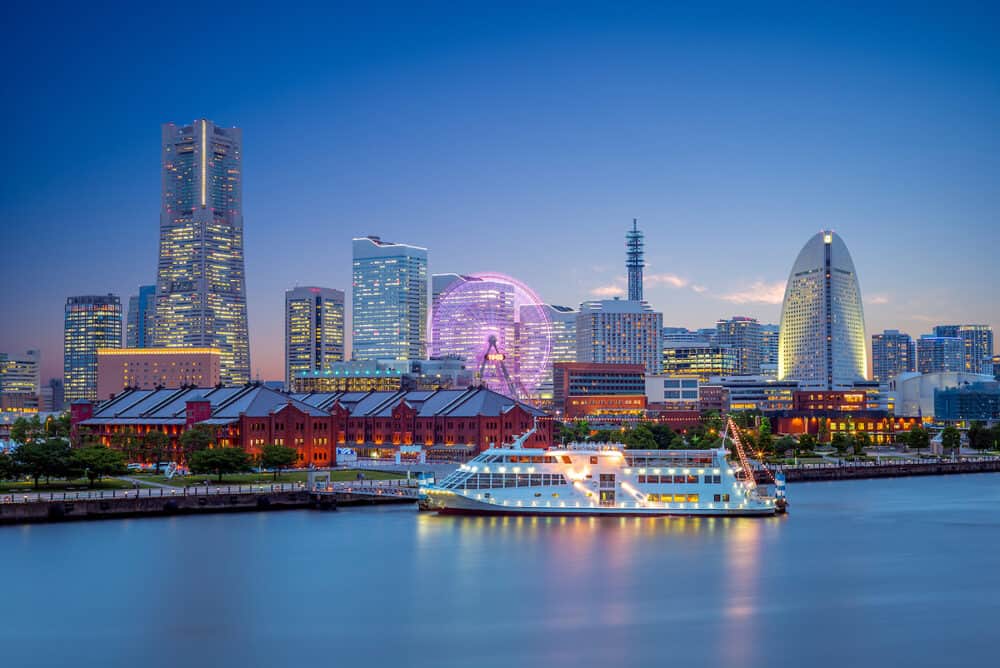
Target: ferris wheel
499, 326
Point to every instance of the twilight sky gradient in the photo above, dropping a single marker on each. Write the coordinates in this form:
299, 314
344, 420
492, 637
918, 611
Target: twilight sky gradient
519, 140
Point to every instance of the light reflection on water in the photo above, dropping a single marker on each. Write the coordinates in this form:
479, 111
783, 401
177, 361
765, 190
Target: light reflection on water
847, 578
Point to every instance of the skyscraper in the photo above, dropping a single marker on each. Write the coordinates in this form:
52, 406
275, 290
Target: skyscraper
634, 262
200, 283
978, 343
822, 337
141, 309
389, 300
937, 354
893, 353
769, 335
559, 329
314, 330
742, 334
91, 322
20, 374
616, 331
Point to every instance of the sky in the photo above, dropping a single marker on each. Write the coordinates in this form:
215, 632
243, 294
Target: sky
514, 138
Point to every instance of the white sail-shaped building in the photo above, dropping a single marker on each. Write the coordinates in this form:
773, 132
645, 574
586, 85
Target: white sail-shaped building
822, 338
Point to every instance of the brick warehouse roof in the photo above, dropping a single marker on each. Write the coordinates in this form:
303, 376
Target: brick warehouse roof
168, 406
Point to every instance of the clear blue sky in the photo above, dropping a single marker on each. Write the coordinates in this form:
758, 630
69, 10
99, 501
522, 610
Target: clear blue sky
515, 139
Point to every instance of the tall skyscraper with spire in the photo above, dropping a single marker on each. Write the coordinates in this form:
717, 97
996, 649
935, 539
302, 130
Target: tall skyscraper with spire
634, 263
200, 282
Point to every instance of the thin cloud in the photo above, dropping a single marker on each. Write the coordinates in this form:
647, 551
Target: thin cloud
699, 289
673, 280
758, 292
878, 299
608, 291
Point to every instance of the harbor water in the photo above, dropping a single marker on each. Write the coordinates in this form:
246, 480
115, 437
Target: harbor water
898, 572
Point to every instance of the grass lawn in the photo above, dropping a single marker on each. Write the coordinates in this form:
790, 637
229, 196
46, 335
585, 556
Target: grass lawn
267, 478
78, 485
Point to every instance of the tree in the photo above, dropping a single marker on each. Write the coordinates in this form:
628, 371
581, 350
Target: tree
58, 427
662, 434
197, 438
765, 441
127, 441
979, 436
784, 444
27, 430
861, 441
807, 442
97, 461
156, 446
278, 458
219, 461
640, 438
8, 467
842, 442
47, 458
823, 430
918, 438
951, 438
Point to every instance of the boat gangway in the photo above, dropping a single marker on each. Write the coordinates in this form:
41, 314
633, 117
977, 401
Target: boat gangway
374, 490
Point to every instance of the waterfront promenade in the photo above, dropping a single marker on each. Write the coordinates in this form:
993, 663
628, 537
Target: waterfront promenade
161, 500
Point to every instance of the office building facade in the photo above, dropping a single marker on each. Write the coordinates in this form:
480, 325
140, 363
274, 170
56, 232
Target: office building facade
314, 330
702, 360
822, 337
150, 368
615, 331
977, 341
200, 282
940, 354
141, 315
743, 335
90, 322
893, 353
389, 300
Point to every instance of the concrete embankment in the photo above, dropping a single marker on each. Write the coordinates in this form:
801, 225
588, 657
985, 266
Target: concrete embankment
873, 470
58, 510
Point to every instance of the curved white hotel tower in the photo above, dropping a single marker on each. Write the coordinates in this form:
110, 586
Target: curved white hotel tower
822, 337
200, 285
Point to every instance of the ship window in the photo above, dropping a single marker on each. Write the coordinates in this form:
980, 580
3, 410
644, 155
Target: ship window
692, 498
566, 459
538, 494
678, 498
642, 479
692, 480
593, 460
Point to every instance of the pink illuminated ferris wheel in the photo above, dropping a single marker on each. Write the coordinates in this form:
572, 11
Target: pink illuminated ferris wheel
499, 326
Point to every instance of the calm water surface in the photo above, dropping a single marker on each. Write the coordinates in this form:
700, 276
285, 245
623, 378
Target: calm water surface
869, 573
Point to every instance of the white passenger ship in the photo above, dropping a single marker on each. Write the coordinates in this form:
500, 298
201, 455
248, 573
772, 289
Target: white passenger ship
591, 479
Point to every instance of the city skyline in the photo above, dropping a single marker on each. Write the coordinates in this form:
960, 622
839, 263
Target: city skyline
553, 189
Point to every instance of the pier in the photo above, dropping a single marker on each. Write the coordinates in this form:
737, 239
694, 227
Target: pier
32, 507
884, 469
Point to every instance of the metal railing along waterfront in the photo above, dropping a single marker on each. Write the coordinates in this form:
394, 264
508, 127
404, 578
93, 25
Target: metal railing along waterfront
151, 492
401, 488
881, 462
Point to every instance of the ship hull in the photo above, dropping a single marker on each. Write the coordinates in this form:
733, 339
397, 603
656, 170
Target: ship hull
453, 504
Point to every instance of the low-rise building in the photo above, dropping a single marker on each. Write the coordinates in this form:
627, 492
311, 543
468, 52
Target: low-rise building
673, 392
584, 389
700, 359
449, 422
967, 403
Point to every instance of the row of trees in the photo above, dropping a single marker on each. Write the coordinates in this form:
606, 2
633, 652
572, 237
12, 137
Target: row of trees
54, 458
